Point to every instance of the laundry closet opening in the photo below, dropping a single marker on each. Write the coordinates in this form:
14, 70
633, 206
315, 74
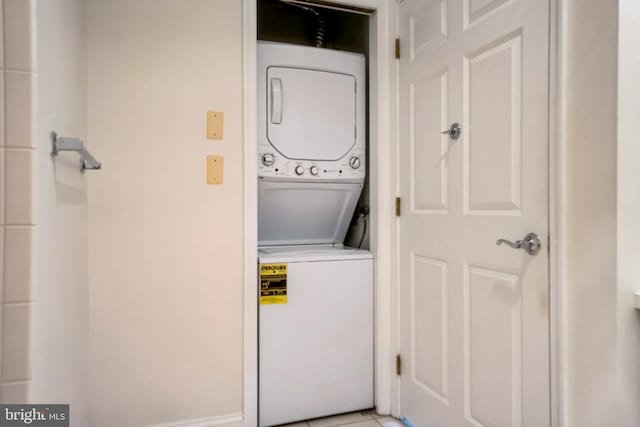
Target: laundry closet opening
314, 211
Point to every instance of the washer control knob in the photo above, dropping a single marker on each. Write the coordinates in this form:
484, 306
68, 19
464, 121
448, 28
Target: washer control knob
268, 159
354, 162
299, 170
314, 170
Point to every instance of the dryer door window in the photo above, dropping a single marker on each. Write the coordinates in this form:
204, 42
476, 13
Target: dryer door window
311, 115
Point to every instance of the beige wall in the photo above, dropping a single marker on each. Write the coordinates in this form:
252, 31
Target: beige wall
61, 316
17, 197
629, 213
590, 59
165, 248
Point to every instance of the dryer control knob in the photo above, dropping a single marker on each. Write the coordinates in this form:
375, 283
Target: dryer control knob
268, 159
354, 162
299, 170
314, 170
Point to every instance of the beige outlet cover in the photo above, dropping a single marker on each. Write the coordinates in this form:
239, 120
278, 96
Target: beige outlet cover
215, 170
215, 125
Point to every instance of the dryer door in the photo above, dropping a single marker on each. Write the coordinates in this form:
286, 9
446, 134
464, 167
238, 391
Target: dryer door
311, 115
302, 213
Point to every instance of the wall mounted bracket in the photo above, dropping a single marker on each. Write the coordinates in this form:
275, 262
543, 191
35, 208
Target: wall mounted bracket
73, 144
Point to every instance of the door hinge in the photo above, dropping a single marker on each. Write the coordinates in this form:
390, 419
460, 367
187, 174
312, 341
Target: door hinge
397, 48
398, 365
398, 206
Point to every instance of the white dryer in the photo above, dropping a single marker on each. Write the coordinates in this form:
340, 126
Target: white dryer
311, 143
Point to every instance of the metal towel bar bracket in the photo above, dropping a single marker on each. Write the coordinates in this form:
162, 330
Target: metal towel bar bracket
73, 144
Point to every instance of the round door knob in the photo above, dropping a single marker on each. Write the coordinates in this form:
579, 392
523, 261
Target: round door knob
268, 159
354, 162
453, 132
314, 170
299, 170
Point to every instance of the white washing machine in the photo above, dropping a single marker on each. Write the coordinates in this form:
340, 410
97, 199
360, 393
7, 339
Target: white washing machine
316, 333
316, 298
311, 143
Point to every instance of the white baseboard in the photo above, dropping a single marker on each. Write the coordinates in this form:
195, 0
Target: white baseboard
229, 420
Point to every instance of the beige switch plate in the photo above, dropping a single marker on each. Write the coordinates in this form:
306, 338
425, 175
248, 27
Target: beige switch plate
215, 125
215, 170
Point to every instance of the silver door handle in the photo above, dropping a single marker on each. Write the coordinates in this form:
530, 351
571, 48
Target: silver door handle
531, 244
453, 132
276, 101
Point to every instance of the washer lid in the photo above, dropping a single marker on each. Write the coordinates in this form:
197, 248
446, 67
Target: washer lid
304, 213
311, 253
311, 114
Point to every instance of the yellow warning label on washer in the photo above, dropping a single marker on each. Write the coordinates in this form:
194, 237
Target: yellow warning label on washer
273, 284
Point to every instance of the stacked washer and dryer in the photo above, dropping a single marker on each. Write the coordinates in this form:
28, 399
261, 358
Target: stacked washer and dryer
316, 333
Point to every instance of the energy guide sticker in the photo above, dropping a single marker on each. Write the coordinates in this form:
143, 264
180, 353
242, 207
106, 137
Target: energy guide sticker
273, 284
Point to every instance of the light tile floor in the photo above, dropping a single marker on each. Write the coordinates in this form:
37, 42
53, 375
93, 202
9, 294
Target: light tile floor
354, 419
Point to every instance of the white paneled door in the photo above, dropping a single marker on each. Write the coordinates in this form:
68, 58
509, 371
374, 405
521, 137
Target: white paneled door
474, 315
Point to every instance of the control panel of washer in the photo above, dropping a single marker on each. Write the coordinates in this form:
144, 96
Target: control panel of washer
273, 165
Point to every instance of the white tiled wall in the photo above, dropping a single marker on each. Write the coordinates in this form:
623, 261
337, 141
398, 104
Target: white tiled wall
17, 195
